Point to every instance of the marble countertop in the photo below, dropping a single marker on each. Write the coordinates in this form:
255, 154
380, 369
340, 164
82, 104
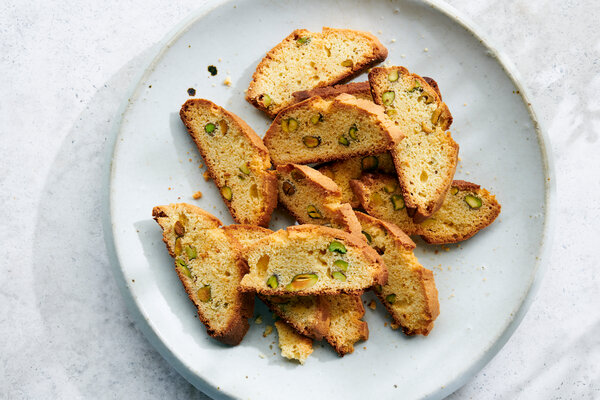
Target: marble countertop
67, 65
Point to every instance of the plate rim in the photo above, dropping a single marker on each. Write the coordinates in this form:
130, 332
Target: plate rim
151, 334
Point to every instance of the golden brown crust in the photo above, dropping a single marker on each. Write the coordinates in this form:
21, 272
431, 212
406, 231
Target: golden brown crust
269, 181
379, 54
400, 238
322, 183
316, 331
434, 85
243, 306
357, 89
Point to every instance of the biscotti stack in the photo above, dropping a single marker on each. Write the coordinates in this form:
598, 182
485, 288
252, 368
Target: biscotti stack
382, 146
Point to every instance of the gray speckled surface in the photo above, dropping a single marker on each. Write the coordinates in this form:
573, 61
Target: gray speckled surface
66, 333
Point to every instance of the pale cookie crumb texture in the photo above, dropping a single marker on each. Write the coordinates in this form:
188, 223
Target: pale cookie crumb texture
293, 345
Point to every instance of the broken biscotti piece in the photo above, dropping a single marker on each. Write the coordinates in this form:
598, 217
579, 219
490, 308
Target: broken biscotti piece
312, 260
318, 130
306, 60
360, 90
345, 327
313, 198
466, 210
293, 345
236, 160
342, 172
410, 295
209, 264
426, 159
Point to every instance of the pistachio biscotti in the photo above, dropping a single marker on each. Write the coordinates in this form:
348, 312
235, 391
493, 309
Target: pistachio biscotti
312, 260
210, 266
318, 130
236, 159
313, 198
306, 60
466, 209
426, 159
410, 295
360, 90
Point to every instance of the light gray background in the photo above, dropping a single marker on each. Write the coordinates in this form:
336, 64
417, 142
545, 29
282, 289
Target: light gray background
64, 328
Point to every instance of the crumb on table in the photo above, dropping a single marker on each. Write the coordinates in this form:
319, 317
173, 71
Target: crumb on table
197, 195
372, 305
206, 176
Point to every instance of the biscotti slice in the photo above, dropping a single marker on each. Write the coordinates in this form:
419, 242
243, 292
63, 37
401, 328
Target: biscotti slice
306, 60
360, 90
313, 198
342, 172
312, 260
318, 130
247, 234
410, 295
346, 327
426, 159
293, 345
236, 159
467, 209
210, 266
308, 315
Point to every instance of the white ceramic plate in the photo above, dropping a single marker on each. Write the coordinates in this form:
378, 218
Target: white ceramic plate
484, 283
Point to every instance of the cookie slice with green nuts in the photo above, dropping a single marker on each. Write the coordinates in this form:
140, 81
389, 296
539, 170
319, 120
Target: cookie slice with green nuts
310, 260
466, 209
236, 160
426, 159
313, 198
328, 129
210, 266
410, 295
307, 60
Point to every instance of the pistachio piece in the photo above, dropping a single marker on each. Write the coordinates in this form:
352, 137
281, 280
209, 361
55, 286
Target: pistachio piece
191, 252
388, 97
390, 187
341, 264
391, 112
223, 127
436, 115
393, 76
390, 298
288, 188
343, 140
178, 248
426, 97
210, 128
426, 127
303, 40
297, 175
337, 247
313, 212
179, 228
473, 201
245, 169
369, 163
284, 125
183, 267
338, 276
416, 86
369, 238
347, 63
311, 141
292, 124
353, 132
204, 293
377, 288
266, 100
376, 199
397, 202
453, 190
301, 282
315, 119
273, 282
227, 193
